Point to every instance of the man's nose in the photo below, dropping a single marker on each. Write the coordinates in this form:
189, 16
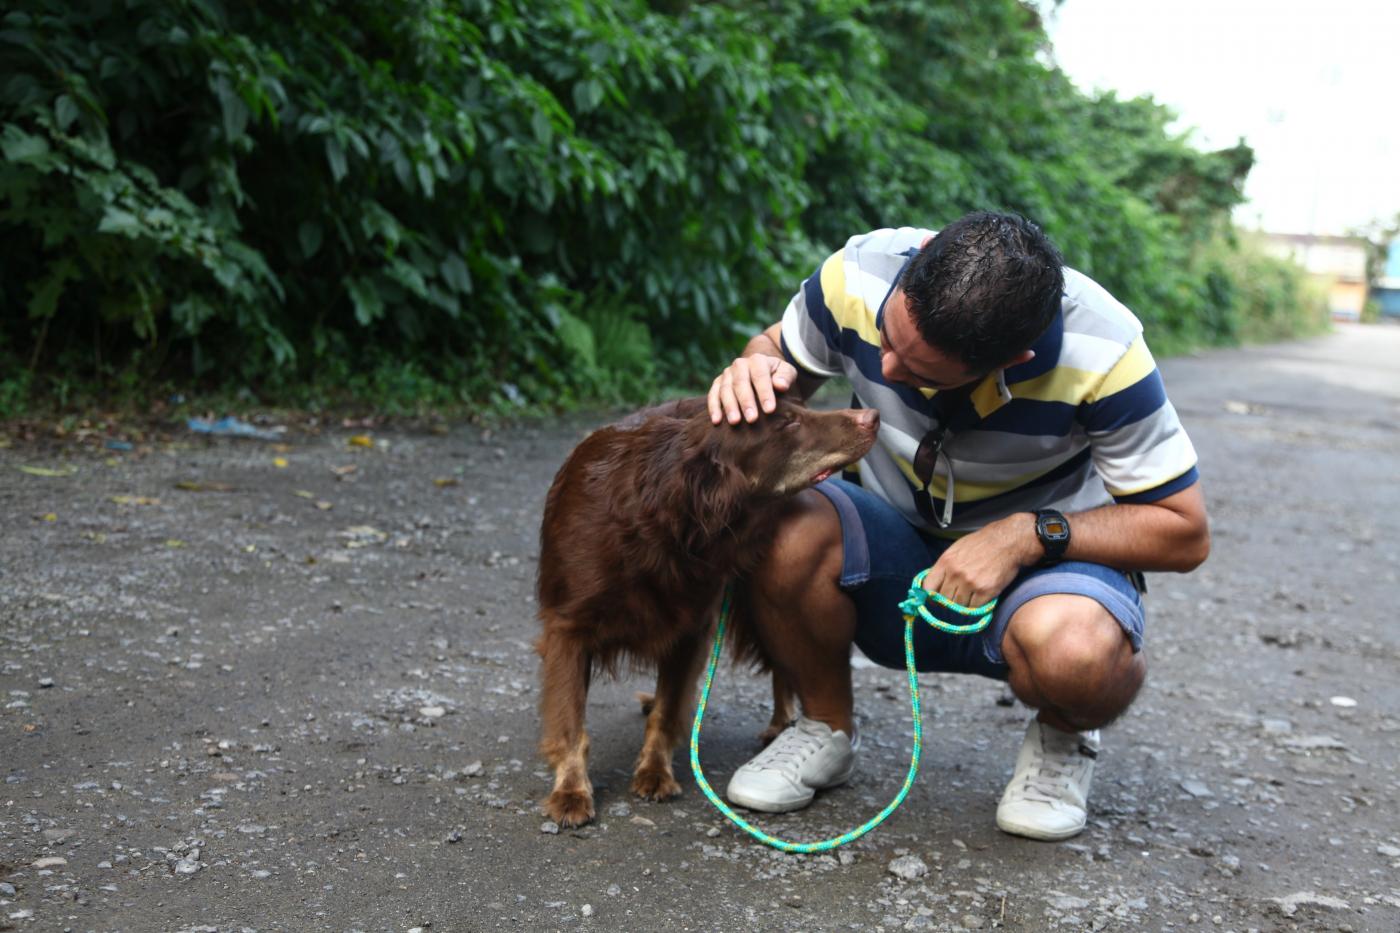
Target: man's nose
890, 367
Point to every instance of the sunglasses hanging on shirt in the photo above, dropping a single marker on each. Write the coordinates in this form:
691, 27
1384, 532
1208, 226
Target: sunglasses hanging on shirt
951, 407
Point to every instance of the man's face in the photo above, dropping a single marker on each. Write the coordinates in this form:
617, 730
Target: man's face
907, 359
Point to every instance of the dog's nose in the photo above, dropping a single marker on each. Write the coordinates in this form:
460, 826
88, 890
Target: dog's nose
868, 419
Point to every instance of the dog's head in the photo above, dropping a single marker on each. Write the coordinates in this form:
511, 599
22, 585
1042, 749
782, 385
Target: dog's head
795, 447
780, 454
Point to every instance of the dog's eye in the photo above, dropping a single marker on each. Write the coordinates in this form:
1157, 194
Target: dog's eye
791, 423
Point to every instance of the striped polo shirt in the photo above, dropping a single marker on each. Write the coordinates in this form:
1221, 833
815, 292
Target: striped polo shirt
1083, 424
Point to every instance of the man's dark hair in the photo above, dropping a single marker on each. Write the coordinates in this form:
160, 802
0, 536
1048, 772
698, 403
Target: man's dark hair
985, 288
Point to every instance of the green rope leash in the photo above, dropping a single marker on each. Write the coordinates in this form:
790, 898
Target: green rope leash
913, 605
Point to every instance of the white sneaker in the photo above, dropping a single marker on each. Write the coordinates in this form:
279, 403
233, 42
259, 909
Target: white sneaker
805, 757
1048, 795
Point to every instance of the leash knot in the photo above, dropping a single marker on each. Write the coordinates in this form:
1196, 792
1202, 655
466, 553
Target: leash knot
916, 604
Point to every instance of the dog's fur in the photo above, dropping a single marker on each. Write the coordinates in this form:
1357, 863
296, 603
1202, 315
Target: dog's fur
646, 522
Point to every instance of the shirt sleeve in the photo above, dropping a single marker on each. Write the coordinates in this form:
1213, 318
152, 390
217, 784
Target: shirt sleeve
810, 332
1136, 439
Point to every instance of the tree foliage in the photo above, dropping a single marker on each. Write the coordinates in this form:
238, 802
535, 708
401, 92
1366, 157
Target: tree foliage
491, 200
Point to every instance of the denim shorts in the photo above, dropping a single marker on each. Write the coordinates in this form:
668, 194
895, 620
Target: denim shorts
883, 553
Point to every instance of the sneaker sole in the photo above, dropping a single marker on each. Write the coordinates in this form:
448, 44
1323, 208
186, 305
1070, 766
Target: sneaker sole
767, 806
1035, 832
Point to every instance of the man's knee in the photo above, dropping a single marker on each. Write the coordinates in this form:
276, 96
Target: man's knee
1069, 642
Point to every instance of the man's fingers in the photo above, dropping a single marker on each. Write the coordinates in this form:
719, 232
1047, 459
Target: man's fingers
726, 397
748, 388
965, 594
744, 376
712, 400
763, 386
721, 399
770, 376
950, 587
780, 378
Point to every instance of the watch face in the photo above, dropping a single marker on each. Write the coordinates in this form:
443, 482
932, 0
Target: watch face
1055, 527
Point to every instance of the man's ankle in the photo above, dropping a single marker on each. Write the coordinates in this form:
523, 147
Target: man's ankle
836, 722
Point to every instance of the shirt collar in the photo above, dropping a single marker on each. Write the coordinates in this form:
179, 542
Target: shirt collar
1047, 353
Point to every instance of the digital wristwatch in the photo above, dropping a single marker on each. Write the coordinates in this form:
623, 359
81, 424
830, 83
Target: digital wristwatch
1052, 528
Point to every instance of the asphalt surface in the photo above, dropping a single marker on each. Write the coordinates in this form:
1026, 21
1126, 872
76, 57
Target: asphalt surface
302, 697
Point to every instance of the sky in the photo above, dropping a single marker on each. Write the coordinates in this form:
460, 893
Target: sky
1311, 85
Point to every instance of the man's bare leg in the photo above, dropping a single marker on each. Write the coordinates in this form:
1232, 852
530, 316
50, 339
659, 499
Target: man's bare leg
806, 623
1070, 660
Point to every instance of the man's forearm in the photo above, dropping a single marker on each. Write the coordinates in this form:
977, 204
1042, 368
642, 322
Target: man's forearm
1138, 537
1170, 535
764, 344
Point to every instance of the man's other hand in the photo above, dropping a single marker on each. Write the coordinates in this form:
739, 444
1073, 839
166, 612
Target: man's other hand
978, 566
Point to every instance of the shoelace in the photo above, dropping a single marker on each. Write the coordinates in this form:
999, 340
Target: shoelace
1046, 782
789, 750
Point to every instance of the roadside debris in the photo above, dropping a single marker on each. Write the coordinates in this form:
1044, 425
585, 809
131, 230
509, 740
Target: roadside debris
46, 471
229, 426
189, 485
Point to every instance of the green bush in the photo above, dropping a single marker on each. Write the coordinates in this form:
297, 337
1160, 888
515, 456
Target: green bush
503, 200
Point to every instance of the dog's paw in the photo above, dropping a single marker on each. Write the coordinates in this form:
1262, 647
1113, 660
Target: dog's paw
569, 808
655, 784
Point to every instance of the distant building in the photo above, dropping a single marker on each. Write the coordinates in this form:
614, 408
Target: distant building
1387, 290
1339, 262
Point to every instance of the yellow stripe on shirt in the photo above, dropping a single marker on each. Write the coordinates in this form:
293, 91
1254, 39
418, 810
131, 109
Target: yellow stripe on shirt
849, 311
1061, 384
1132, 367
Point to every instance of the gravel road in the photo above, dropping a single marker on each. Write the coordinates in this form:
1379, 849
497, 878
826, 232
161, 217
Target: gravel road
248, 686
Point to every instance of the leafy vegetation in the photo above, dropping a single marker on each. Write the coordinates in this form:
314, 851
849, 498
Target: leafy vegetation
503, 201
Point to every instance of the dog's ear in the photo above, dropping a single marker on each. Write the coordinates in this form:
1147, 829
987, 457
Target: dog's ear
714, 486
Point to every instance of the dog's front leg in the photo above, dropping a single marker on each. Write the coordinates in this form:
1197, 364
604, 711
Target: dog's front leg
675, 690
783, 712
564, 674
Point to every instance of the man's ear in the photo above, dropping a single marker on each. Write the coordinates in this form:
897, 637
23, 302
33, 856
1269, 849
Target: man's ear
1024, 356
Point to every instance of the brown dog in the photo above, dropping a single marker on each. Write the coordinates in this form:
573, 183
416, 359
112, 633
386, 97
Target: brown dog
646, 522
